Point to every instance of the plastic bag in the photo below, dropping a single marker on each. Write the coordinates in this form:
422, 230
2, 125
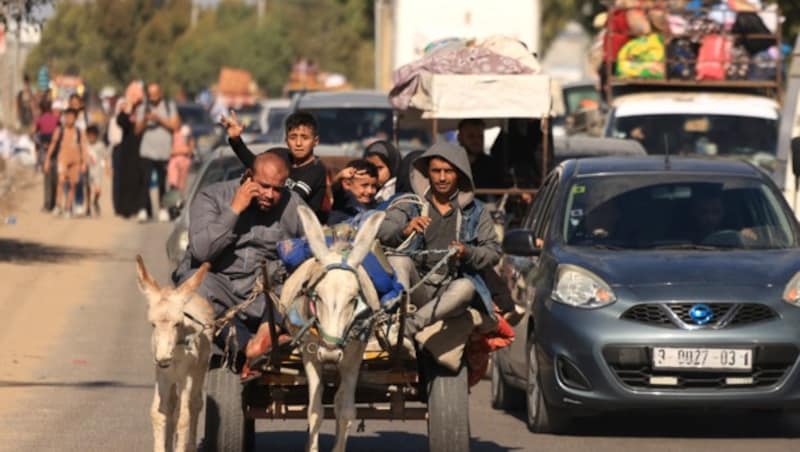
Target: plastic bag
714, 57
751, 24
642, 57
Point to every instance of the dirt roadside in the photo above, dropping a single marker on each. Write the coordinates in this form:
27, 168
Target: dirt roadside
49, 266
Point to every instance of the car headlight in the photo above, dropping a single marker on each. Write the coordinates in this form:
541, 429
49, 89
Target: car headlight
791, 294
183, 240
581, 288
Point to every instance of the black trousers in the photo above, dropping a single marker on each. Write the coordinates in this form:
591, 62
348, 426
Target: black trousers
147, 167
50, 185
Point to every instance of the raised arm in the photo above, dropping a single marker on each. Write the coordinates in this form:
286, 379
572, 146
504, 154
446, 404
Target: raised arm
234, 129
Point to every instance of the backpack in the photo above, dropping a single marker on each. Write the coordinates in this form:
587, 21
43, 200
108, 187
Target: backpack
57, 149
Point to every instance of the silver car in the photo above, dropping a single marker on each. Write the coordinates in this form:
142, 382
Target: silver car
652, 283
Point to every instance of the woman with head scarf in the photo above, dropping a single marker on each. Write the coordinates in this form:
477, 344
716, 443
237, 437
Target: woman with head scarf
386, 158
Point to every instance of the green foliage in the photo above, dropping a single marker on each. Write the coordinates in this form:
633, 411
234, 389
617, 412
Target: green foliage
115, 41
156, 35
233, 39
336, 34
72, 45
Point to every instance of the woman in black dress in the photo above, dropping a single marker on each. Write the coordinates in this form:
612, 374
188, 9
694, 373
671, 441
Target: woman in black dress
125, 160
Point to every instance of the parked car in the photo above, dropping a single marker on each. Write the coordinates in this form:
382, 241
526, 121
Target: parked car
207, 135
652, 283
273, 113
222, 166
250, 117
349, 120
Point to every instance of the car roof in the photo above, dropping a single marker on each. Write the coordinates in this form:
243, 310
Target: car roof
701, 103
344, 99
656, 164
577, 146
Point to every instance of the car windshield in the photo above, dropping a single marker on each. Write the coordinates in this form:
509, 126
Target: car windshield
672, 212
193, 115
248, 116
750, 138
348, 125
221, 170
275, 118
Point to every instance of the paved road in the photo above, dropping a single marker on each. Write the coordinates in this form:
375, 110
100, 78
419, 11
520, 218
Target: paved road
88, 388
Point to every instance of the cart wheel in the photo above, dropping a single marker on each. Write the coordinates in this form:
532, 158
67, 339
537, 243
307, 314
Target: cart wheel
448, 408
227, 430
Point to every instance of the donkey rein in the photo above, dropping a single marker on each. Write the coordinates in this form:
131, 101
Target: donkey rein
225, 318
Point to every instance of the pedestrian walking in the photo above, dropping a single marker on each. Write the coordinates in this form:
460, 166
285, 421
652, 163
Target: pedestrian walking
46, 125
156, 121
126, 169
71, 161
181, 158
82, 188
26, 105
98, 165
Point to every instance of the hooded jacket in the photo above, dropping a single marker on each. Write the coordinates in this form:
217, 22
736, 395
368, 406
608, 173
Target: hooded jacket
474, 225
389, 154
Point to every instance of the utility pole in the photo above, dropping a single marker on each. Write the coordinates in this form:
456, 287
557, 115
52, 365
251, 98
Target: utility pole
261, 10
194, 14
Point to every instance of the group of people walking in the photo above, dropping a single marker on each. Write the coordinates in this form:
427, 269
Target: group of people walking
149, 146
143, 143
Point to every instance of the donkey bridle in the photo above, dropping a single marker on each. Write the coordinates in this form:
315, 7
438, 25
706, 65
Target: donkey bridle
352, 330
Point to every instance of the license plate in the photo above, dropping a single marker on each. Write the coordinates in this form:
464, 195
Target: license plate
702, 358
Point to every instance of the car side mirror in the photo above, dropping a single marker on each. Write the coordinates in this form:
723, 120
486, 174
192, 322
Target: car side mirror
520, 242
796, 156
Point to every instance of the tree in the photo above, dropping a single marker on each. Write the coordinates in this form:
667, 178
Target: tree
342, 35
71, 45
231, 36
155, 39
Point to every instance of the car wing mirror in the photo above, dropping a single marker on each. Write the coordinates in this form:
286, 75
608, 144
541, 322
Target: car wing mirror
796, 156
521, 242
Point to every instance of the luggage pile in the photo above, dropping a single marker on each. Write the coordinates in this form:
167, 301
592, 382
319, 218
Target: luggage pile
702, 40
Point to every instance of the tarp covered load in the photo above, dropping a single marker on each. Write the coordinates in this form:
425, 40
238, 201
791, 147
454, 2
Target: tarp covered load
499, 74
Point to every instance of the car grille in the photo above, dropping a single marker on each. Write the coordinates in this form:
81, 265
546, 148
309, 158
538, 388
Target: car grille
633, 367
676, 315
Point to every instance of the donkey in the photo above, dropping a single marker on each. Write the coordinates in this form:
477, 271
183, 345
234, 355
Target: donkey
181, 345
336, 292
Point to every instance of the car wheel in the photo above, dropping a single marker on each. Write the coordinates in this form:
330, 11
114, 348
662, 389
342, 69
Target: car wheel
504, 396
542, 416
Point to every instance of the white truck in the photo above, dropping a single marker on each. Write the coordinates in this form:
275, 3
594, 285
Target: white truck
730, 117
403, 28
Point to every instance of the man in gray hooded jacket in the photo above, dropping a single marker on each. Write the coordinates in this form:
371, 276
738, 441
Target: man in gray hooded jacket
451, 217
236, 226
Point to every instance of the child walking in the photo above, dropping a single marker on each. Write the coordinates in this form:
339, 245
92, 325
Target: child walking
98, 164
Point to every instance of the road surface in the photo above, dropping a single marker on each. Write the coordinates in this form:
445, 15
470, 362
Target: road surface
76, 372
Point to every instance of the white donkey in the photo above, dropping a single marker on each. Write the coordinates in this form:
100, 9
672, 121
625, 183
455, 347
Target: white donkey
181, 344
336, 292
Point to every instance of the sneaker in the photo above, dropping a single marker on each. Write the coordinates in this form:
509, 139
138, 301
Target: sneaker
67, 214
79, 209
56, 211
141, 217
163, 216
